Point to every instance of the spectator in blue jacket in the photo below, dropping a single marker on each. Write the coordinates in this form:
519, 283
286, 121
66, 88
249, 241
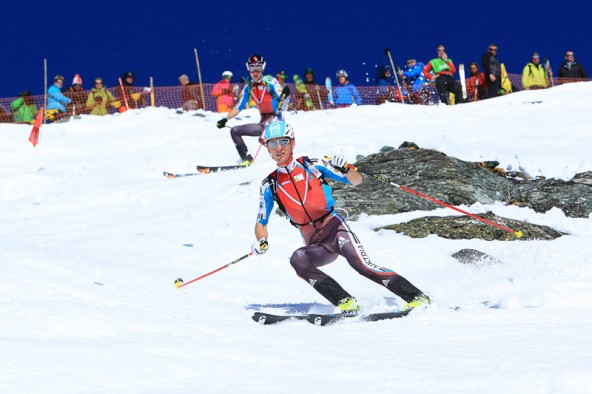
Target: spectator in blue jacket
55, 98
412, 74
345, 94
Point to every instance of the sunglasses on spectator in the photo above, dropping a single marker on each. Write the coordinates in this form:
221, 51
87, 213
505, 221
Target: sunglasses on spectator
255, 68
275, 143
98, 82
492, 49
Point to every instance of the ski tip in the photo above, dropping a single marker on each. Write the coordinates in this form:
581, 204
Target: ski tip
178, 282
169, 175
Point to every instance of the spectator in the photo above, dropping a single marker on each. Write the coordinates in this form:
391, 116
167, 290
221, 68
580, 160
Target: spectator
78, 96
267, 94
492, 70
345, 94
23, 108
385, 90
412, 75
571, 69
281, 77
475, 83
442, 69
190, 95
100, 99
128, 93
534, 75
317, 92
56, 101
224, 92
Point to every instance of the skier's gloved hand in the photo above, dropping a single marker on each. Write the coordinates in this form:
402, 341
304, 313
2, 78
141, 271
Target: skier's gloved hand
340, 164
260, 247
221, 123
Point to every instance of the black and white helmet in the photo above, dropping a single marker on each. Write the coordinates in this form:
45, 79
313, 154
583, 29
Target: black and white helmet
256, 60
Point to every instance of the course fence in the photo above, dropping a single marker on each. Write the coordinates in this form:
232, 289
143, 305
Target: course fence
191, 98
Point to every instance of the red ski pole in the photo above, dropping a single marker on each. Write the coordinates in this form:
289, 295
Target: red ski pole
518, 234
179, 282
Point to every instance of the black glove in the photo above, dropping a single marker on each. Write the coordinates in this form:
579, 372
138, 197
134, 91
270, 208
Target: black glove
221, 123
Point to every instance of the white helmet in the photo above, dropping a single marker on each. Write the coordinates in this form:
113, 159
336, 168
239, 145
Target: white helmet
226, 74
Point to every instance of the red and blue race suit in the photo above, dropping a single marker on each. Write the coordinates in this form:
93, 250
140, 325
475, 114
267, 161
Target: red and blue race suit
302, 193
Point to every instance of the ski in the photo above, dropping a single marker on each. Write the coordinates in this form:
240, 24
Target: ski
463, 81
268, 318
329, 90
208, 169
171, 175
324, 319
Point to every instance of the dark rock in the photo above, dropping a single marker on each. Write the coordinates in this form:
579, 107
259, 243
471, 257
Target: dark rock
466, 227
474, 257
454, 182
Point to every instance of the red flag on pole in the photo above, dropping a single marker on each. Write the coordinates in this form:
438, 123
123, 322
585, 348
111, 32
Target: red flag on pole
34, 137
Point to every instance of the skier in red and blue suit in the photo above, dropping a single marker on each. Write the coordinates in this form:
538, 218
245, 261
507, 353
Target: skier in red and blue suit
266, 92
299, 188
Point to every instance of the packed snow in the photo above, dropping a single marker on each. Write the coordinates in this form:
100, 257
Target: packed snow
93, 236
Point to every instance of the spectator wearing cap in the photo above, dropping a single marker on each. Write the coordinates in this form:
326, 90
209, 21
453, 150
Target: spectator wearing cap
23, 108
100, 99
317, 92
56, 101
127, 93
78, 96
345, 94
571, 70
225, 92
190, 95
534, 75
385, 90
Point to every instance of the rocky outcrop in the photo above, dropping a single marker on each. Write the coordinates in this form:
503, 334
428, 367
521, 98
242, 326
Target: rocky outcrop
457, 182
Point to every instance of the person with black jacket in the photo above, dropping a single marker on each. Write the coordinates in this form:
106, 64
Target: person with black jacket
570, 69
493, 71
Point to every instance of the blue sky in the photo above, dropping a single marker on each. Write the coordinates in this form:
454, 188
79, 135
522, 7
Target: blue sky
157, 39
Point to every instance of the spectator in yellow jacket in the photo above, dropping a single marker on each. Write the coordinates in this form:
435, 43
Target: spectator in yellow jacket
534, 75
100, 99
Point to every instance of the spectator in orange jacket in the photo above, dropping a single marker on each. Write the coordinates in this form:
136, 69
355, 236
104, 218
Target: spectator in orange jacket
224, 93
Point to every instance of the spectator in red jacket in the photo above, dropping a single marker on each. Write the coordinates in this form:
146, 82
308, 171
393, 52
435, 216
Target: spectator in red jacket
476, 83
224, 93
441, 70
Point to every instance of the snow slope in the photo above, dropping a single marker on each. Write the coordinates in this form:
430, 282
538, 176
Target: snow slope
91, 244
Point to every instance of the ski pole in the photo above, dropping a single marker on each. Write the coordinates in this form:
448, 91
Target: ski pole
518, 234
179, 282
388, 52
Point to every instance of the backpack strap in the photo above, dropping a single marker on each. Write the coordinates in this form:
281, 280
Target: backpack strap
308, 165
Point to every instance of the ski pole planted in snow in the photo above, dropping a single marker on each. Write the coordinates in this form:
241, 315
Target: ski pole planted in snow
179, 282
